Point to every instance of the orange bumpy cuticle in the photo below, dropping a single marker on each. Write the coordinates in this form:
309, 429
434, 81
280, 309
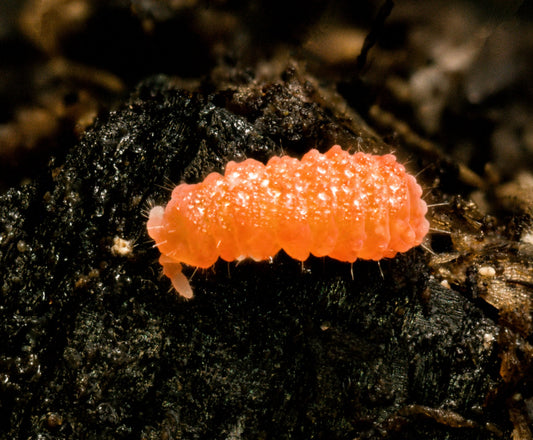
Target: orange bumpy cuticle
335, 204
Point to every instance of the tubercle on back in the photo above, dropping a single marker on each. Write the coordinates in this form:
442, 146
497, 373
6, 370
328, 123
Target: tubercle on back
219, 217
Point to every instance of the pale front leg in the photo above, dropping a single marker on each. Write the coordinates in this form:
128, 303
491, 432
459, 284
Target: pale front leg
173, 270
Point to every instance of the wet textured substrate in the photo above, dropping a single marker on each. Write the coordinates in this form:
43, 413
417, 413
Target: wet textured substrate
97, 346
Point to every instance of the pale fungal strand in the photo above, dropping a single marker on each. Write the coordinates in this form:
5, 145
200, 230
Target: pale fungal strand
335, 204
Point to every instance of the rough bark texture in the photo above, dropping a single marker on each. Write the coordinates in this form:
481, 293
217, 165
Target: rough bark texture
95, 345
268, 350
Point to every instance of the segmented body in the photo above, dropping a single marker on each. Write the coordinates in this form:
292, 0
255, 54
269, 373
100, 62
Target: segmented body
335, 204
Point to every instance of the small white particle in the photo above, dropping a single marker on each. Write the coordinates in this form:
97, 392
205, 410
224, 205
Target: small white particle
488, 339
121, 247
487, 271
527, 237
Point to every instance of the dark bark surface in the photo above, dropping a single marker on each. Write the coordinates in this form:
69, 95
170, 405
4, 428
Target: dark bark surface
434, 344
